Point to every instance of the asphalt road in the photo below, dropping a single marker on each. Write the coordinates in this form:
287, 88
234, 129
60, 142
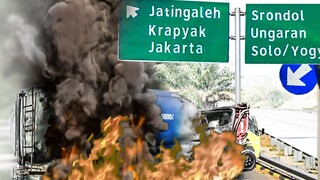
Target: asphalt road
254, 175
298, 129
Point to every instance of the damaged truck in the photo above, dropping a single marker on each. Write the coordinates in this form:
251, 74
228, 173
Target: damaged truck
32, 113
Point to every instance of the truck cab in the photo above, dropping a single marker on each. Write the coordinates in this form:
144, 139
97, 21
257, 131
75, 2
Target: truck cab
236, 118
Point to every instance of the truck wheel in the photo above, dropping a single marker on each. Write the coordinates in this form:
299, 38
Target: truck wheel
250, 162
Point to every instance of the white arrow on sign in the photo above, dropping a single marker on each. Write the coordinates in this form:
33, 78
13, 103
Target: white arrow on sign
131, 11
293, 78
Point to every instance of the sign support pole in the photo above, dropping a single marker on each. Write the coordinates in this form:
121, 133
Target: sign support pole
237, 56
318, 124
317, 67
237, 39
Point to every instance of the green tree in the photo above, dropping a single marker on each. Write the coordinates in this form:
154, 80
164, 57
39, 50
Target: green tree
276, 98
265, 96
202, 83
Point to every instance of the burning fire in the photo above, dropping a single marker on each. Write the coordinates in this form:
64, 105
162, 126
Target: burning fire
217, 157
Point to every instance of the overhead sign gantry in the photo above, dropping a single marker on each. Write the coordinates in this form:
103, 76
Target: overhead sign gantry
161, 30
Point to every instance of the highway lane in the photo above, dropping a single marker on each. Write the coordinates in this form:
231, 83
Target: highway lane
255, 175
7, 159
298, 129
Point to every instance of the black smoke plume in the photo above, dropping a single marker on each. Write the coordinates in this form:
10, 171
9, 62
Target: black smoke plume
69, 47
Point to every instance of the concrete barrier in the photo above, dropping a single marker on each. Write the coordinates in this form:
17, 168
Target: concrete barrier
273, 141
287, 150
310, 163
297, 156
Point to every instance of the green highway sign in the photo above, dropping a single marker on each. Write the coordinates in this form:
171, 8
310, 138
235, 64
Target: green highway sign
282, 34
168, 30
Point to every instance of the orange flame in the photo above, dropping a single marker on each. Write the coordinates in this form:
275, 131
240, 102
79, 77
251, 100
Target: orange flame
68, 156
217, 157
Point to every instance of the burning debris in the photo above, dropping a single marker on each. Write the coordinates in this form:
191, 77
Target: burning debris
216, 158
72, 54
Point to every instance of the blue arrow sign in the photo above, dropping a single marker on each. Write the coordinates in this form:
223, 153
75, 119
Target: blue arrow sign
298, 78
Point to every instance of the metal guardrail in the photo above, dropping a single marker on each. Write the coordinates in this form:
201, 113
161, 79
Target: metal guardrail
284, 170
303, 154
310, 161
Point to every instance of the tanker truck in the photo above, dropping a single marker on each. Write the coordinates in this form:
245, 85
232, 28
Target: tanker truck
235, 118
32, 113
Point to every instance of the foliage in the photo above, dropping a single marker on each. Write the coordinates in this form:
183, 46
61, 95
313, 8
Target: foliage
265, 96
202, 83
